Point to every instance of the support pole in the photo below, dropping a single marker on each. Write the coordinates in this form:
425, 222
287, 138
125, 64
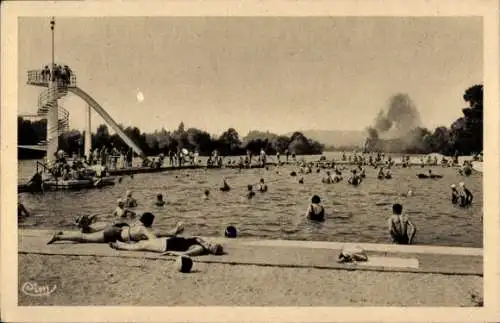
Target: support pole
52, 115
88, 134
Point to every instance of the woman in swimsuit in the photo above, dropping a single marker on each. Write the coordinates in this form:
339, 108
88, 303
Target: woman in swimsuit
315, 211
172, 246
141, 230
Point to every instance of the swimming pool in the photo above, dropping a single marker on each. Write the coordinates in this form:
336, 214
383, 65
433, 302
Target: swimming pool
354, 214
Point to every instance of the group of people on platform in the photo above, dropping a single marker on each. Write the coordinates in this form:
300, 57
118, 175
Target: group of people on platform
58, 74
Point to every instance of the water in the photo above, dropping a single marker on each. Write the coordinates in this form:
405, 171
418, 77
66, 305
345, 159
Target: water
354, 214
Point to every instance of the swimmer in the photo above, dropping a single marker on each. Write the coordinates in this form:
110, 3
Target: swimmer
301, 180
315, 210
355, 179
328, 179
172, 246
262, 186
388, 175
225, 186
159, 200
401, 229
455, 195
21, 211
466, 196
381, 174
206, 194
250, 193
129, 200
121, 211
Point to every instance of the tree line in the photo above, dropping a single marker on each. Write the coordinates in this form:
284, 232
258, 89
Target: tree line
229, 143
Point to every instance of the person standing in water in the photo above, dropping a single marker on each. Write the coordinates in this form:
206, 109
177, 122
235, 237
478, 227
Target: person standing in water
455, 195
401, 229
262, 186
315, 211
250, 193
466, 196
121, 211
129, 200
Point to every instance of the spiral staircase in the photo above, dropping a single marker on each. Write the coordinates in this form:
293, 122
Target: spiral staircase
48, 100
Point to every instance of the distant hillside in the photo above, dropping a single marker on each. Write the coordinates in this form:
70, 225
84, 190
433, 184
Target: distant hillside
336, 138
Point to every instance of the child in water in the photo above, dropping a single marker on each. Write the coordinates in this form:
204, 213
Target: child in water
250, 193
159, 200
401, 229
262, 186
206, 194
465, 195
121, 211
129, 200
454, 194
315, 210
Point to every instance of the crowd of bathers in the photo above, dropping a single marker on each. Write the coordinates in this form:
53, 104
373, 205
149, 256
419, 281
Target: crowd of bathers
140, 236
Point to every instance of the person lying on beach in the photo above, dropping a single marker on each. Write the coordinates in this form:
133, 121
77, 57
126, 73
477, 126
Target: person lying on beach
172, 246
401, 229
315, 210
121, 211
141, 230
129, 200
159, 200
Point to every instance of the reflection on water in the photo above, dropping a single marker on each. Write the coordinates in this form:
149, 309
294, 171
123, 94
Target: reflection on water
354, 214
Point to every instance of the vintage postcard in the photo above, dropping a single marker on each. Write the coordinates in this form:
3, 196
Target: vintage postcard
215, 161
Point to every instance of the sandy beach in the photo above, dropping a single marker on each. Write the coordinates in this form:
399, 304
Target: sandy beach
87, 280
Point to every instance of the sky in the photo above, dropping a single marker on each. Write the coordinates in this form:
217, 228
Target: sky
279, 74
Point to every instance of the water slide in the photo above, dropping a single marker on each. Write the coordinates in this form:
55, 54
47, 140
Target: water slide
97, 107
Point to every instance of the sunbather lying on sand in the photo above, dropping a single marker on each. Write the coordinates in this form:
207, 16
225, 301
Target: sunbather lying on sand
172, 246
141, 230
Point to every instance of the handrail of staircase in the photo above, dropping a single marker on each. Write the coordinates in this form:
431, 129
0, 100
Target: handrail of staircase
38, 78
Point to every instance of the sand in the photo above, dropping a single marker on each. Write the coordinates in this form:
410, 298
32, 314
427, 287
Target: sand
91, 280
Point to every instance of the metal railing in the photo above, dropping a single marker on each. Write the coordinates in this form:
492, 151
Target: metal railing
38, 77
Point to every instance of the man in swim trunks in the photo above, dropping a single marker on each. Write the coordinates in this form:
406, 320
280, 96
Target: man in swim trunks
315, 210
172, 246
141, 230
401, 229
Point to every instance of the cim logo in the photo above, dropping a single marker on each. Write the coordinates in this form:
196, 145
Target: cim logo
36, 289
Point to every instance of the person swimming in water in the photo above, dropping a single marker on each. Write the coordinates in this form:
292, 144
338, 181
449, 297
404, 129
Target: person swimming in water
401, 229
328, 179
250, 193
121, 211
315, 211
262, 186
301, 180
140, 230
21, 211
455, 195
172, 246
159, 200
355, 179
206, 194
225, 186
129, 200
466, 196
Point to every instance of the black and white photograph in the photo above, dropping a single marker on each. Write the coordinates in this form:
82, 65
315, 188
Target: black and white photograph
261, 160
